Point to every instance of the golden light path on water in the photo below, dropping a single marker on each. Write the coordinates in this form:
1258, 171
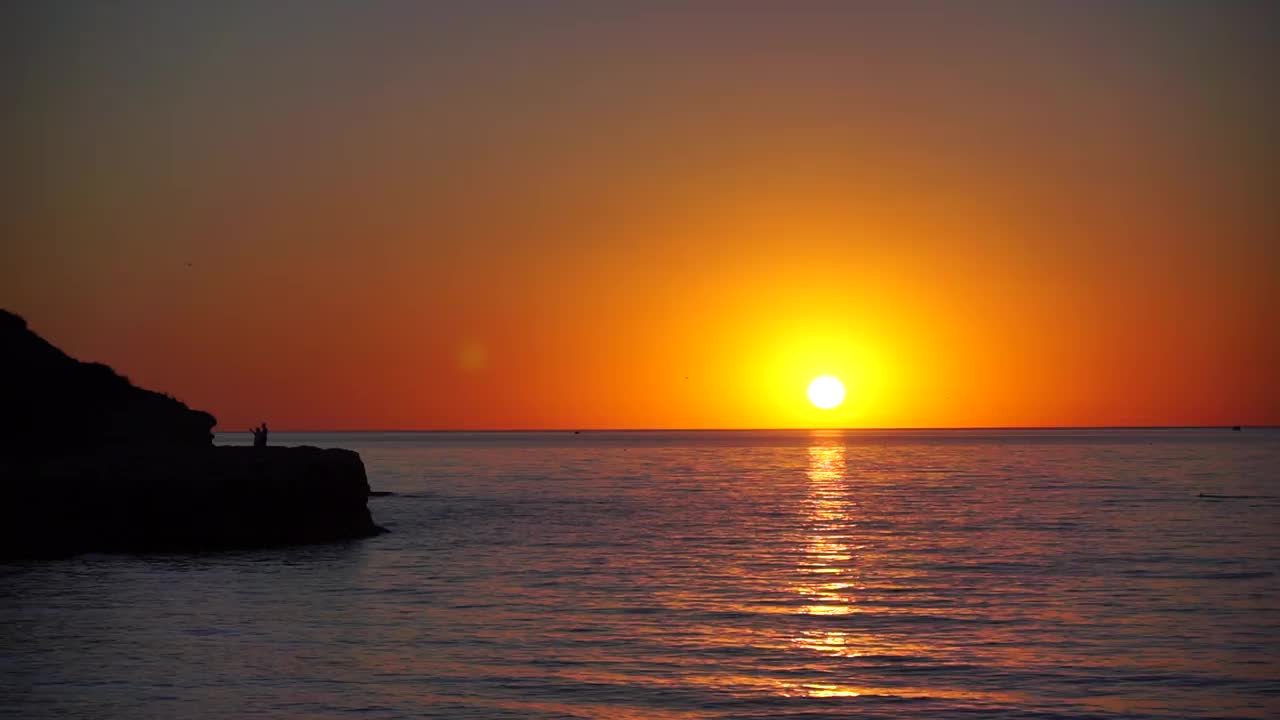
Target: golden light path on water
830, 569
826, 562
827, 552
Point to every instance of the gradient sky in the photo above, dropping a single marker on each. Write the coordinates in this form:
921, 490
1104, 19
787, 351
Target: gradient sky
673, 215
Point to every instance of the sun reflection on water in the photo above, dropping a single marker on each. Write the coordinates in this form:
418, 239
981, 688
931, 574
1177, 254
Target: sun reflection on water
827, 552
830, 580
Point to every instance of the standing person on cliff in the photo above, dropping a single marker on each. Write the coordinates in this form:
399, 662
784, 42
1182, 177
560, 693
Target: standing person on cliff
264, 433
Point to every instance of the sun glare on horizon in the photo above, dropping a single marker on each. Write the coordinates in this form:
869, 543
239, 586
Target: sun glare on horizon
826, 392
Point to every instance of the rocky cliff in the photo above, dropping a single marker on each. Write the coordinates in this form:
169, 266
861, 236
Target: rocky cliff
89, 462
53, 404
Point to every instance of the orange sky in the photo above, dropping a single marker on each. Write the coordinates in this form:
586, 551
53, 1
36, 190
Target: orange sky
401, 217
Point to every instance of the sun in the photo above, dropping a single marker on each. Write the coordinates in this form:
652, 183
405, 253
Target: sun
826, 392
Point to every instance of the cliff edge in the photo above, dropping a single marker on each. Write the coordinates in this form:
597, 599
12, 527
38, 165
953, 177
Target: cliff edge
89, 462
52, 404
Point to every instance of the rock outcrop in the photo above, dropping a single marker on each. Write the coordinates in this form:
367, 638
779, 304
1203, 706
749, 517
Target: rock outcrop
54, 405
89, 462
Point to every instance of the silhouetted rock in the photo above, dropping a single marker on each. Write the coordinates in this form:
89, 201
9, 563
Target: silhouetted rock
91, 463
53, 404
131, 500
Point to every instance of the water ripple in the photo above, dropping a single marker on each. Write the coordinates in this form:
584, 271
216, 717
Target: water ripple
704, 576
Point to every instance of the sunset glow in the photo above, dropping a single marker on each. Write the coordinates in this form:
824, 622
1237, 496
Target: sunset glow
635, 360
654, 218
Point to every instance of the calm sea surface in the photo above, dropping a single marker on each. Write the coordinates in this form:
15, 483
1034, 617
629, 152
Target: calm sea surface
1020, 574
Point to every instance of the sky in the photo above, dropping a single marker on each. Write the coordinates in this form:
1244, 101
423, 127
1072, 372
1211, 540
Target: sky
488, 215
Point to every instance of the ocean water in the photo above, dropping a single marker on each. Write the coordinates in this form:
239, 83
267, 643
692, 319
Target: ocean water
947, 574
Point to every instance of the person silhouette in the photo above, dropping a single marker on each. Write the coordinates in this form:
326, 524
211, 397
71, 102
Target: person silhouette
264, 433
257, 436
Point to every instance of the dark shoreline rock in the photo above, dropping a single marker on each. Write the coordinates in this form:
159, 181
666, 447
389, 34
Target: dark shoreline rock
217, 498
91, 463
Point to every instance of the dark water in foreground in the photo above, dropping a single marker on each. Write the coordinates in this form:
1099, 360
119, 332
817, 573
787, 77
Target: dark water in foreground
1072, 574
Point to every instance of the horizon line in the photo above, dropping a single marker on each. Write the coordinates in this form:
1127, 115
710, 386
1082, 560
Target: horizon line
770, 429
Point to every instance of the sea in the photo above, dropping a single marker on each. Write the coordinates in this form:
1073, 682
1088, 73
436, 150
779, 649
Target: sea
703, 575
